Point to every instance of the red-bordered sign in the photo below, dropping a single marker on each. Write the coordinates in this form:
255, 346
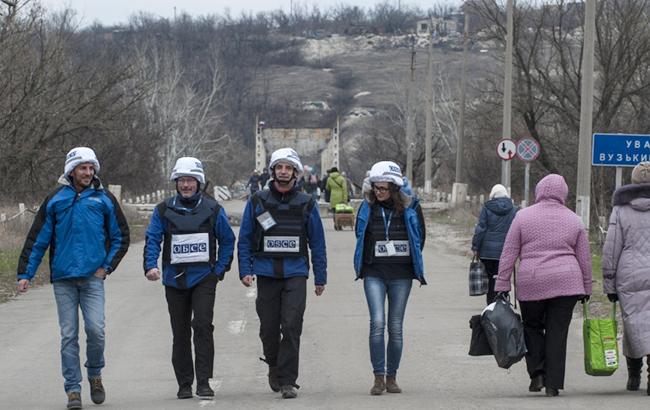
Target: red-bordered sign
506, 149
528, 149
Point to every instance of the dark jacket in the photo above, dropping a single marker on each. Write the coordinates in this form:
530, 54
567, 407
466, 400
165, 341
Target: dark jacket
493, 224
155, 234
292, 266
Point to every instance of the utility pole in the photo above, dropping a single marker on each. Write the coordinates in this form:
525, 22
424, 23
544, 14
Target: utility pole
410, 115
463, 92
583, 190
429, 115
507, 94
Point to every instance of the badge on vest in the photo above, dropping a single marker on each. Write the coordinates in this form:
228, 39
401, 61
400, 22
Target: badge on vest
266, 220
190, 248
288, 244
392, 248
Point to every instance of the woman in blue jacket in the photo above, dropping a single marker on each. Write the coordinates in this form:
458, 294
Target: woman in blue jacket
388, 256
490, 233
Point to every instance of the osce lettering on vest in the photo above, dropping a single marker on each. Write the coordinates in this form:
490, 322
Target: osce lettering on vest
288, 244
190, 248
620, 150
402, 248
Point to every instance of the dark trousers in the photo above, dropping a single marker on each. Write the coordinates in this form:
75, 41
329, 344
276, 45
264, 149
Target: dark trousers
192, 309
280, 306
492, 269
546, 328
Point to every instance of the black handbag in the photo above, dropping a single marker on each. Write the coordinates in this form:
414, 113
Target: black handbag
478, 344
478, 278
505, 333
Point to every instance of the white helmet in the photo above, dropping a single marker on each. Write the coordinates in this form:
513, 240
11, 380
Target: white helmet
188, 167
288, 155
80, 155
386, 171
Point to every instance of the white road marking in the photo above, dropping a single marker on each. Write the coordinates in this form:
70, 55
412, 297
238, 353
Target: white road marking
251, 293
236, 327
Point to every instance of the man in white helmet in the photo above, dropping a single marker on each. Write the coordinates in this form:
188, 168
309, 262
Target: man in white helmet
87, 234
190, 225
278, 228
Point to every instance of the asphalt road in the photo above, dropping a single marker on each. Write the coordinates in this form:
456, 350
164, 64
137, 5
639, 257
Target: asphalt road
436, 371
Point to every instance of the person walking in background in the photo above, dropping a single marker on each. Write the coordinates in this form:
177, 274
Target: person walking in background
490, 233
278, 228
190, 225
388, 257
264, 178
349, 184
324, 189
626, 272
253, 183
310, 185
552, 246
338, 189
88, 236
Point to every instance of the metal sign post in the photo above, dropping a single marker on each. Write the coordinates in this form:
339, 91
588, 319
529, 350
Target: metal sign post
528, 150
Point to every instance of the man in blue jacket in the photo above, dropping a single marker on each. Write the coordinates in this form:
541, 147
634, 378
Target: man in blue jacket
190, 225
87, 234
278, 227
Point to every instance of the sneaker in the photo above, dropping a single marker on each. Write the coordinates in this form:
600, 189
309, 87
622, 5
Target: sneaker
204, 391
288, 392
97, 392
274, 378
184, 392
74, 400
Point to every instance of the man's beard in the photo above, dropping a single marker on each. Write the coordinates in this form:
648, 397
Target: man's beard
284, 183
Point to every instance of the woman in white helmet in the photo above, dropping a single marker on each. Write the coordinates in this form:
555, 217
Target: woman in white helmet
388, 256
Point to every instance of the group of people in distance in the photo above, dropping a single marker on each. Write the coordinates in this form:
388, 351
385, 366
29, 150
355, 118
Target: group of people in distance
280, 234
555, 272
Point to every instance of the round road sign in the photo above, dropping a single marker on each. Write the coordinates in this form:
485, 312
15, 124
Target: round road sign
506, 149
528, 149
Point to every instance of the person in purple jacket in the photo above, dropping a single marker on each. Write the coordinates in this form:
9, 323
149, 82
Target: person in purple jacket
551, 244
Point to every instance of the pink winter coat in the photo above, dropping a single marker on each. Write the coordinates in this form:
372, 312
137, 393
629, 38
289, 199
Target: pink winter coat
551, 244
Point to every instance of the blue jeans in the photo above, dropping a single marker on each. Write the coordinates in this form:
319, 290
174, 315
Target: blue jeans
398, 291
70, 294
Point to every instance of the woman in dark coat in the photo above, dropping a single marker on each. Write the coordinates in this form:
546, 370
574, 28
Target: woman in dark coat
490, 233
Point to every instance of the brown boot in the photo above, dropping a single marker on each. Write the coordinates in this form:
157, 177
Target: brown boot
391, 385
379, 386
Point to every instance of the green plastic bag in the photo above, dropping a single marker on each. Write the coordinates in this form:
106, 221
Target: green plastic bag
343, 209
601, 346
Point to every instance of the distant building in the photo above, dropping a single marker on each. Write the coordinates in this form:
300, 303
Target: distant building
441, 26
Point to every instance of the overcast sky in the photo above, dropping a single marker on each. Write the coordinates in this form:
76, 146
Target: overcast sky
116, 11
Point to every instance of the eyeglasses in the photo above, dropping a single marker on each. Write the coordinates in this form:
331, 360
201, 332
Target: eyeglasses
380, 189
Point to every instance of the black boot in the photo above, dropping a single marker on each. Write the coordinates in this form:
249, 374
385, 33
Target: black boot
633, 373
647, 362
274, 378
203, 390
536, 383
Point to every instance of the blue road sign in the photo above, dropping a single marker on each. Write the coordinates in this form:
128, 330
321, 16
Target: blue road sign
619, 150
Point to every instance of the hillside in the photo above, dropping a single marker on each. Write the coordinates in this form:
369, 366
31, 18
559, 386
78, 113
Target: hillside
378, 67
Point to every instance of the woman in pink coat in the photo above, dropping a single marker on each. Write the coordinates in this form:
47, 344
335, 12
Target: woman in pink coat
554, 273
